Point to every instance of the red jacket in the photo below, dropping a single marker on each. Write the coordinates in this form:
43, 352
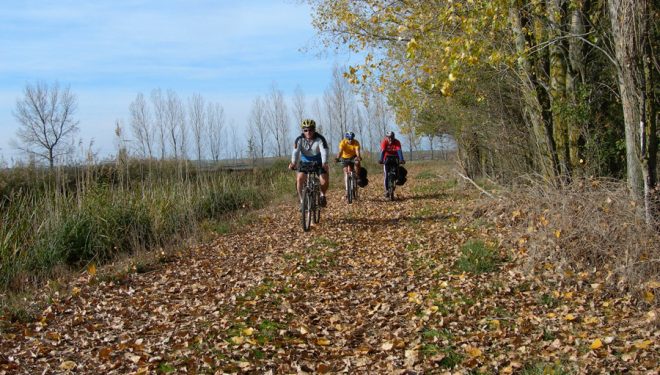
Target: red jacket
390, 148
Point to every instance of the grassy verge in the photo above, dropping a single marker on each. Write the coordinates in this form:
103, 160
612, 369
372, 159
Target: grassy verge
57, 223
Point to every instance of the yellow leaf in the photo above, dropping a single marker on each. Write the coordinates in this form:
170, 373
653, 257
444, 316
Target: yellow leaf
495, 324
591, 320
570, 317
472, 351
68, 365
551, 315
643, 344
323, 342
237, 340
75, 291
649, 297
558, 233
248, 331
597, 344
91, 270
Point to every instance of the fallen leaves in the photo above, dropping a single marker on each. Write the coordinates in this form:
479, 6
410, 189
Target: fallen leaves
370, 290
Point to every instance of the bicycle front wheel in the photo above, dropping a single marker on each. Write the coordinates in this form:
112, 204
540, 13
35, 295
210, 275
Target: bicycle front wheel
350, 186
306, 211
316, 209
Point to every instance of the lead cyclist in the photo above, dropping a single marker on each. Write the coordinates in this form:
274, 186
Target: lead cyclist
310, 146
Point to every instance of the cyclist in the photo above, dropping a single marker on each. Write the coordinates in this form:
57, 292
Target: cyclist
349, 153
310, 146
390, 153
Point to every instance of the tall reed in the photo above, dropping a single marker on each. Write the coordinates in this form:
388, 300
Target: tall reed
91, 214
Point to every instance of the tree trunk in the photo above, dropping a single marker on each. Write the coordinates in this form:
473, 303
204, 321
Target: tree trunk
631, 33
532, 103
622, 18
575, 79
557, 88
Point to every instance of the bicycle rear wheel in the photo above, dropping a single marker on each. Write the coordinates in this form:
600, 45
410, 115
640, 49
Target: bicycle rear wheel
390, 186
306, 210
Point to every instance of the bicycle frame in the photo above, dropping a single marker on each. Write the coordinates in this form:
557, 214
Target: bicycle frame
350, 180
392, 171
310, 206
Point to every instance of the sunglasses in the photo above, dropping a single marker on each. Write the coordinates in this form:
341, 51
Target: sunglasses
308, 130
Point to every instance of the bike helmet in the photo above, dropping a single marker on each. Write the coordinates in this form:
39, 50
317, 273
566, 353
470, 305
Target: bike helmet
389, 134
349, 136
308, 123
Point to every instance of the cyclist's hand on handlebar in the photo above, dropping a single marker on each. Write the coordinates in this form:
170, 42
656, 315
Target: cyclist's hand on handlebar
325, 167
292, 166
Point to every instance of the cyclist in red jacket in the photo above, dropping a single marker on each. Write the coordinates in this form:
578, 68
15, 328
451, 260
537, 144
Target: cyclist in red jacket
391, 155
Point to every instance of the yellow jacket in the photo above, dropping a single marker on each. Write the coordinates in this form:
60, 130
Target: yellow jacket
348, 149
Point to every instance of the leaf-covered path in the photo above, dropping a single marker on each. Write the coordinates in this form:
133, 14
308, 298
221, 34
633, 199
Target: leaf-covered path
374, 288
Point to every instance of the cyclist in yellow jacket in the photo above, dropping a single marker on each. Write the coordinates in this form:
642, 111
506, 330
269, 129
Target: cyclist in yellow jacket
349, 155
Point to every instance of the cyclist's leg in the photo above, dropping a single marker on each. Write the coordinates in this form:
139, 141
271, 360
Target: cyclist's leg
324, 180
385, 177
301, 178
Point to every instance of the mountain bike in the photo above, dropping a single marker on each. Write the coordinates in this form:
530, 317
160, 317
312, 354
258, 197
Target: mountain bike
391, 175
351, 180
310, 206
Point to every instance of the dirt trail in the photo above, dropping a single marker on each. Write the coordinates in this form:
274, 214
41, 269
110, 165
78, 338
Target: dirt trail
373, 288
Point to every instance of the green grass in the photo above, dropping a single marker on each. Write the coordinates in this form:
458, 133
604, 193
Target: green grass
477, 258
426, 175
544, 368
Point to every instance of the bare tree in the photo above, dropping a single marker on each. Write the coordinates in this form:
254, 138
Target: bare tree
278, 119
258, 129
141, 126
236, 145
159, 120
46, 124
298, 105
341, 100
196, 107
215, 122
174, 124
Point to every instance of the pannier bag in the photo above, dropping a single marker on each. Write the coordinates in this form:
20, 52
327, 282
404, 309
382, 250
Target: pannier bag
362, 180
401, 178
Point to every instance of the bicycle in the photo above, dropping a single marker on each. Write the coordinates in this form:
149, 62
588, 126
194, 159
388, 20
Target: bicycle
310, 206
351, 180
391, 175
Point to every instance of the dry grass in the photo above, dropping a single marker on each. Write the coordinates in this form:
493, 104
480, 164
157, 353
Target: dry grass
591, 226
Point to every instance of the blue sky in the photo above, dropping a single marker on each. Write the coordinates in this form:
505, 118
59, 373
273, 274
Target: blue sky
107, 51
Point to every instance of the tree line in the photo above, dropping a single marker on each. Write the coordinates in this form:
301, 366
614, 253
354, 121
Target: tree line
557, 88
162, 125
